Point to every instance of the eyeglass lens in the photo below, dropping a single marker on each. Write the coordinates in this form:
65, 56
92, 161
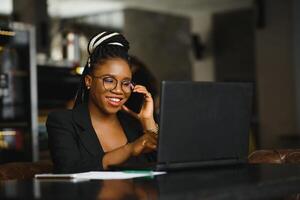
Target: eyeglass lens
111, 83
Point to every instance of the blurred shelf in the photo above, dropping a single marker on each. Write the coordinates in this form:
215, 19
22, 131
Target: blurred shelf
14, 124
56, 86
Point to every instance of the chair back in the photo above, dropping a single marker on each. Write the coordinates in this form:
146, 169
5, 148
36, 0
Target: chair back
279, 156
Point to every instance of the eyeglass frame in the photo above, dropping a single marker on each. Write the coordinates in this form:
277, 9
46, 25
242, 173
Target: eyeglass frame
107, 76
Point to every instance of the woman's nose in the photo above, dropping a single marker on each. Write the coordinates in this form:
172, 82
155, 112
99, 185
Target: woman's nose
118, 88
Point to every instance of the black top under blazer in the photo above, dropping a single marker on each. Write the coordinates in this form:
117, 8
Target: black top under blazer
73, 143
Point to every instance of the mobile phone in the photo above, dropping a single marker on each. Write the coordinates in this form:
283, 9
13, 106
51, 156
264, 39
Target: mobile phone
135, 102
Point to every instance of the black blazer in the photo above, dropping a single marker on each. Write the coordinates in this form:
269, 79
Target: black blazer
73, 143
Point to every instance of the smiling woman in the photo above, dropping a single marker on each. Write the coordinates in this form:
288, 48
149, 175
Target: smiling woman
100, 131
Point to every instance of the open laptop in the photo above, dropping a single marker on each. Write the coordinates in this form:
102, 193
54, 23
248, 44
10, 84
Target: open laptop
202, 124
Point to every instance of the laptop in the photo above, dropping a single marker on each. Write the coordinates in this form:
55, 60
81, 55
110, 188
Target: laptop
202, 124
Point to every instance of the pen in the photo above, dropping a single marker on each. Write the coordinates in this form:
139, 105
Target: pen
148, 173
138, 171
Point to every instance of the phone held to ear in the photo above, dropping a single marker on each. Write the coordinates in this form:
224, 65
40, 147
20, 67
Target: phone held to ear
135, 102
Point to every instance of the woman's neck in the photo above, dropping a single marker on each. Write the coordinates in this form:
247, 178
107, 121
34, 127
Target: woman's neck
97, 114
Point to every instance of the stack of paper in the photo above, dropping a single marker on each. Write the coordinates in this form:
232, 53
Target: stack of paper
101, 175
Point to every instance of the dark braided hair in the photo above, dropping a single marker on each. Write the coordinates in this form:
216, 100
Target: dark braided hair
104, 46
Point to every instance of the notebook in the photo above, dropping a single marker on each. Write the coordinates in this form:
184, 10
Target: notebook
202, 124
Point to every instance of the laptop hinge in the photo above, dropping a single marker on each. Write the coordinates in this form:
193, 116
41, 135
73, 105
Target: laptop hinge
199, 164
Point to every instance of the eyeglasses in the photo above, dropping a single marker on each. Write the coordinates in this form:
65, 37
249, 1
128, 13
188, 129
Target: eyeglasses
110, 83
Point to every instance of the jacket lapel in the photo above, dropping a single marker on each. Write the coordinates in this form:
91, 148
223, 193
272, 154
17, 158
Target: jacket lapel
86, 132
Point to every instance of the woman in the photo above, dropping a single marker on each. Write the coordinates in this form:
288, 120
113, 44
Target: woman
100, 131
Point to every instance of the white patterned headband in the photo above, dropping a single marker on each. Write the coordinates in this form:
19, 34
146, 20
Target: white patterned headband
97, 40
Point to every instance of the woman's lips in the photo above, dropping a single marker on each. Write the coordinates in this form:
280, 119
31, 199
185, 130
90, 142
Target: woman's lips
114, 101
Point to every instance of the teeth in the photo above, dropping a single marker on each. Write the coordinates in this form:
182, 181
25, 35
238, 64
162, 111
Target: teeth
115, 99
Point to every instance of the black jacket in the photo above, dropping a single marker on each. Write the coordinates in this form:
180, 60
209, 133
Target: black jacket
73, 143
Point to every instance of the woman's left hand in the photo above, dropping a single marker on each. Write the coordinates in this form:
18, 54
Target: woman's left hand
146, 113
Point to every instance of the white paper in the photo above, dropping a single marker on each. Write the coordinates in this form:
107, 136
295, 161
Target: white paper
100, 175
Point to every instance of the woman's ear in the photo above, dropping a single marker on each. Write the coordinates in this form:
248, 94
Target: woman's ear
88, 81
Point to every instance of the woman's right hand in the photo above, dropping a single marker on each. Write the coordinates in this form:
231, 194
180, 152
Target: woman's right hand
144, 144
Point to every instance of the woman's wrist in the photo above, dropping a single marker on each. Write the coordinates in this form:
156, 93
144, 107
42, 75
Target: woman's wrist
153, 130
129, 148
149, 124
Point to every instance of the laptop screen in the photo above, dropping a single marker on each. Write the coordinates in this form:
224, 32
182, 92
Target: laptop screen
204, 121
